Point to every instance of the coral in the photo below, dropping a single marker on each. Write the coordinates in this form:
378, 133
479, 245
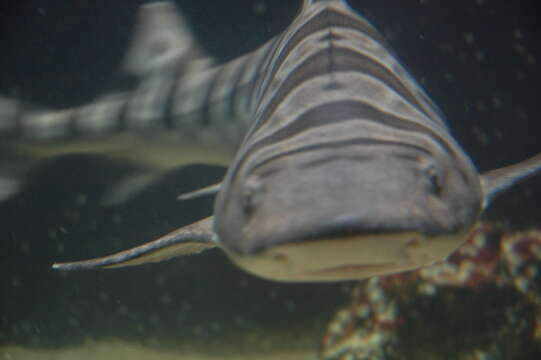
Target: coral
483, 302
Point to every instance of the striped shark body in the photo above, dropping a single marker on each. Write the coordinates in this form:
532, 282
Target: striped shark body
184, 107
346, 169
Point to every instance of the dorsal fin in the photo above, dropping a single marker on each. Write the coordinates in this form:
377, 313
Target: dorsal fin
162, 48
495, 181
162, 41
308, 3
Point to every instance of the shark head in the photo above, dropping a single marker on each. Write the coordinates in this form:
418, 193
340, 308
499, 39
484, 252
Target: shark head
312, 217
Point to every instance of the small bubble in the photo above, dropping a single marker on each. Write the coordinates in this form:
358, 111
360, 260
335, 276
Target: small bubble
16, 283
35, 340
272, 293
290, 305
123, 310
73, 322
197, 330
216, 326
480, 55
446, 48
27, 327
116, 218
60, 248
154, 319
481, 107
468, 37
186, 307
104, 297
161, 280
81, 199
345, 289
140, 328
166, 299
52, 233
496, 101
260, 7
239, 320
25, 247
481, 135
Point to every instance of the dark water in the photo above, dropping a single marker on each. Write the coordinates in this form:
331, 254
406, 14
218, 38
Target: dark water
479, 60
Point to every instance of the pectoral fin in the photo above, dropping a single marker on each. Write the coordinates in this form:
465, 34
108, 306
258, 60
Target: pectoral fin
207, 190
495, 181
190, 239
129, 187
8, 187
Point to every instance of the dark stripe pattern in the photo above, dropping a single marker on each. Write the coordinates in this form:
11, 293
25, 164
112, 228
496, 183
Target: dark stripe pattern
332, 73
331, 69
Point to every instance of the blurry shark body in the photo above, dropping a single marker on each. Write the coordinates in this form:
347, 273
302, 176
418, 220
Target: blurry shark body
179, 113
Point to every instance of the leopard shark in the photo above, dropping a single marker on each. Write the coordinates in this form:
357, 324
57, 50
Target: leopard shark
340, 166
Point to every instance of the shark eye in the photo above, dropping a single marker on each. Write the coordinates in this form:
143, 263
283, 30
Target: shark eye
433, 176
249, 199
434, 179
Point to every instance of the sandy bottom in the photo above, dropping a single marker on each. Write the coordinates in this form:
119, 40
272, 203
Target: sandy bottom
126, 351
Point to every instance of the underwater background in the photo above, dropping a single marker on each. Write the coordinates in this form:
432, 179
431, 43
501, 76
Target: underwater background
478, 60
